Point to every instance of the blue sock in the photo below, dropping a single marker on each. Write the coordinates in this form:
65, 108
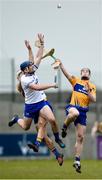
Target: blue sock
38, 142
56, 136
64, 126
77, 158
55, 152
16, 119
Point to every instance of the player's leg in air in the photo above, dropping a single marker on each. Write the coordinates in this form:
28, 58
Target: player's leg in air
47, 113
25, 124
72, 113
41, 128
48, 142
54, 150
80, 133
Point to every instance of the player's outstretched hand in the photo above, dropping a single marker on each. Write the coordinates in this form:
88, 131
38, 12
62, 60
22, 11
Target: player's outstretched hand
41, 38
58, 61
27, 44
56, 64
55, 85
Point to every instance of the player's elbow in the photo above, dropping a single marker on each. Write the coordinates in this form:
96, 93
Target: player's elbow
93, 99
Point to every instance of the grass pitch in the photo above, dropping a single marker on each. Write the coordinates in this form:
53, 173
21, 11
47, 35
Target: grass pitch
49, 169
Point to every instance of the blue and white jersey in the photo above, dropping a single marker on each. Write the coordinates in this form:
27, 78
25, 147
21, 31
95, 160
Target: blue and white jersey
31, 96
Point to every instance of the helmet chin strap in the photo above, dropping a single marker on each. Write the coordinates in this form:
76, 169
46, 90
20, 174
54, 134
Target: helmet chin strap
84, 78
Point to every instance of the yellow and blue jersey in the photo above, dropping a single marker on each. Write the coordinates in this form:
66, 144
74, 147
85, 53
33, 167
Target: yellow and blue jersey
79, 94
80, 99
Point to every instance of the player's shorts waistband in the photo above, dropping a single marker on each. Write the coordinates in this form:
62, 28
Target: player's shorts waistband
35, 106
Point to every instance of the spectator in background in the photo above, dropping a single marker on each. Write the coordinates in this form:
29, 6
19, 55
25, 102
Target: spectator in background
97, 128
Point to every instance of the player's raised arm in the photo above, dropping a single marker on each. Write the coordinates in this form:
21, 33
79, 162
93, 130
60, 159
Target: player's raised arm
66, 74
40, 87
31, 56
39, 54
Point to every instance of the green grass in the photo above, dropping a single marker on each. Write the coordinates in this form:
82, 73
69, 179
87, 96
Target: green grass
48, 169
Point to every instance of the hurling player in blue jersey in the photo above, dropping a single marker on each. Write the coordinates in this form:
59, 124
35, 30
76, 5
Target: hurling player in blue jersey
35, 103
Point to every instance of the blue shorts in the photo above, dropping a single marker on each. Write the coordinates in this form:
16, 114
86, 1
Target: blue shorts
32, 110
82, 118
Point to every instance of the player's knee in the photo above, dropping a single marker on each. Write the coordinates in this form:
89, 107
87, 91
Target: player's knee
26, 127
80, 137
75, 114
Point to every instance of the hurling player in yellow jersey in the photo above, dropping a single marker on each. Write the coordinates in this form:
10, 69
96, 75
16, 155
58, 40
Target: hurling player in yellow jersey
83, 93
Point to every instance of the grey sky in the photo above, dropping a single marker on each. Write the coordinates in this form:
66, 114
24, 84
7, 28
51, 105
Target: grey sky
74, 31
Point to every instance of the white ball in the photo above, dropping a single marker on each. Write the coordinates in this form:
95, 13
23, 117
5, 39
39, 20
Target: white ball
59, 6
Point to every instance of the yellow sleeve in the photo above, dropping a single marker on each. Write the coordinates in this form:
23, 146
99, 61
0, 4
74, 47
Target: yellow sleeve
73, 80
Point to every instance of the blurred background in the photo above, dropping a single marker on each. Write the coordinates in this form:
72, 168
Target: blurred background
74, 30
